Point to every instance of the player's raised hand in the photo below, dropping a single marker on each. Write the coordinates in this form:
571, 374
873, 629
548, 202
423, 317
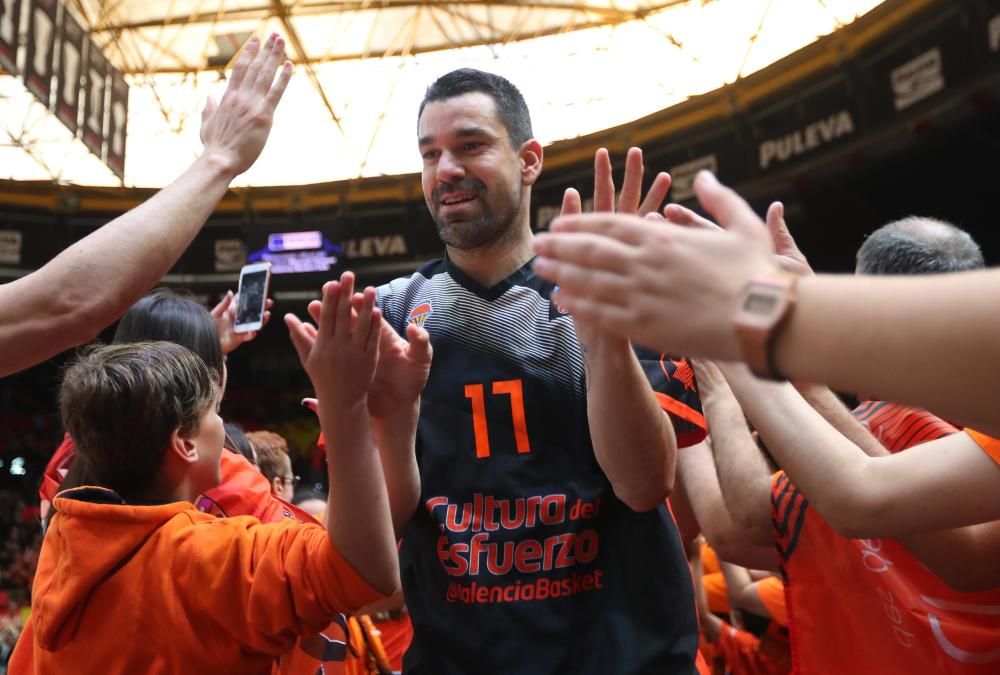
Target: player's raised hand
235, 130
341, 354
630, 200
403, 367
671, 288
403, 364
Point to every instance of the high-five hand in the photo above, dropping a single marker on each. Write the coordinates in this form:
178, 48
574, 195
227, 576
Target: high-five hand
629, 200
403, 364
235, 130
668, 287
341, 354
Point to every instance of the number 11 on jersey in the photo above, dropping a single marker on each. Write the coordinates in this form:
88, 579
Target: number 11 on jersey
477, 394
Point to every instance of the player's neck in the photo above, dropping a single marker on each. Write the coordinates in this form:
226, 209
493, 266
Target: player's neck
491, 264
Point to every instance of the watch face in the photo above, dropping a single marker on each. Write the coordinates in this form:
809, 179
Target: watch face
758, 303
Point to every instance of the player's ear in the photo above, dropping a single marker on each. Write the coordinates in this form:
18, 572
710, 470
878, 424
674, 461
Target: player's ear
531, 161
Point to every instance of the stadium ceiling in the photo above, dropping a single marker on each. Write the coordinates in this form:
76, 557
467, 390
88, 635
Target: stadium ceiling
362, 66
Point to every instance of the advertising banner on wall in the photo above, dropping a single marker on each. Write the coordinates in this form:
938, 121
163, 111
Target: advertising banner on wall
117, 123
917, 79
69, 72
10, 26
11, 242
94, 99
230, 255
682, 185
42, 32
793, 128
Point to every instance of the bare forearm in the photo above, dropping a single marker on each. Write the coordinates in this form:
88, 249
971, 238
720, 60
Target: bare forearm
827, 467
743, 590
697, 476
357, 517
92, 283
895, 338
826, 403
964, 558
396, 435
633, 440
743, 475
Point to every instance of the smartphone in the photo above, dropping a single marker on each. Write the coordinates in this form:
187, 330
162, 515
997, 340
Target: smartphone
255, 279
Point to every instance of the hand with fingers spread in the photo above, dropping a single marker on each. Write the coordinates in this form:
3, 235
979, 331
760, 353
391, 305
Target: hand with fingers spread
341, 354
630, 200
224, 315
144, 243
235, 130
403, 365
667, 287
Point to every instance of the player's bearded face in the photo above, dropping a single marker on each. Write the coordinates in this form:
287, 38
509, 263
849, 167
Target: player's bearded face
471, 178
485, 216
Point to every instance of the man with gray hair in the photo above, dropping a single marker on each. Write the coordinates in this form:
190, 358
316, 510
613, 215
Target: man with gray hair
919, 245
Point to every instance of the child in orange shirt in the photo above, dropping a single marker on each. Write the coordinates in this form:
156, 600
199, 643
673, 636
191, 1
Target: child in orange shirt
132, 578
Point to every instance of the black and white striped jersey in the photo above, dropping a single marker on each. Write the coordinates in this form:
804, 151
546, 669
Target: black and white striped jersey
519, 558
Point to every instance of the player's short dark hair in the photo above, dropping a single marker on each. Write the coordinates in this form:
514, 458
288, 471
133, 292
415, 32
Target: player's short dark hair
917, 245
120, 403
174, 316
510, 103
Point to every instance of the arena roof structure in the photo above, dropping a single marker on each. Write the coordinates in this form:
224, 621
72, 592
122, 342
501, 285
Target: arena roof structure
362, 67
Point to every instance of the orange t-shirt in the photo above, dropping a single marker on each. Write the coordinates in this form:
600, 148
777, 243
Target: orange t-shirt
771, 591
898, 426
868, 605
990, 445
746, 654
193, 593
713, 580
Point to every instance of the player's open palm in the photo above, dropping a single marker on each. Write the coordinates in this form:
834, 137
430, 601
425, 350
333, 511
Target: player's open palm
403, 367
630, 200
341, 354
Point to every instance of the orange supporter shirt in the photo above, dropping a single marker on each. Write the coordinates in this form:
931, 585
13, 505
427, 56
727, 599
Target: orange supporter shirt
990, 445
714, 581
870, 606
746, 654
168, 589
898, 426
771, 591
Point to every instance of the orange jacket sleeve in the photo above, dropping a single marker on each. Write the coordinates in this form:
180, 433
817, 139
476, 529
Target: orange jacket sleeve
280, 580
